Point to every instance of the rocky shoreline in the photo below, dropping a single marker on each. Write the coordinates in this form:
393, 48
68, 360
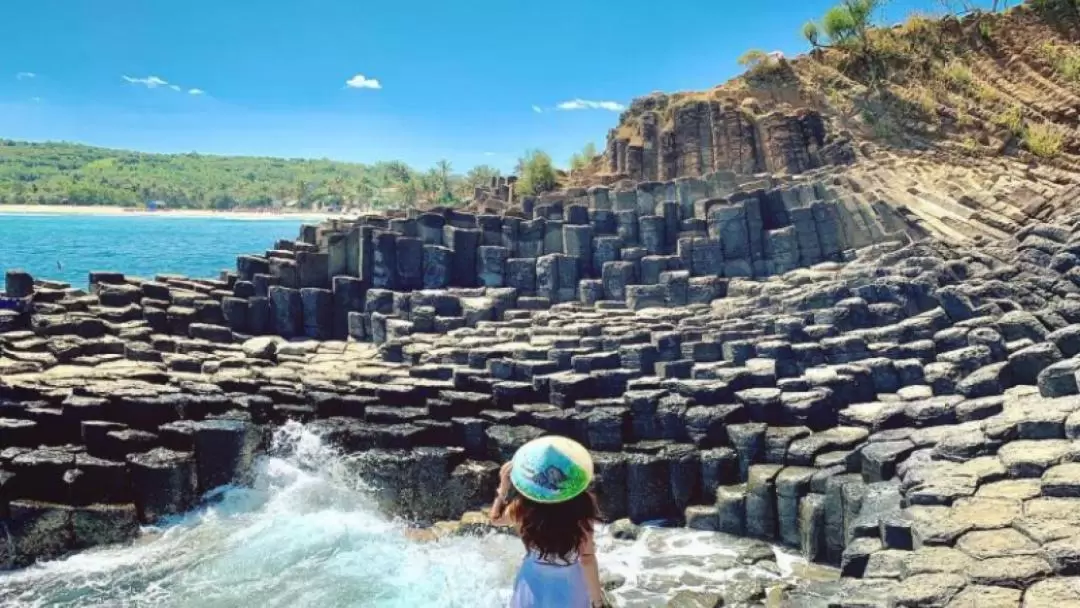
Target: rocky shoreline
766, 358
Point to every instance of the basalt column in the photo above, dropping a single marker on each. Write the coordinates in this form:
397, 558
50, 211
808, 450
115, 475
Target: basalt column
410, 263
687, 132
337, 250
464, 243
611, 153
650, 150
783, 144
688, 190
633, 161
384, 260
727, 223
668, 155
734, 139
620, 154
366, 253
429, 227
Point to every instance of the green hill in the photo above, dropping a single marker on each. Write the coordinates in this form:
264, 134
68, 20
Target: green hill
72, 174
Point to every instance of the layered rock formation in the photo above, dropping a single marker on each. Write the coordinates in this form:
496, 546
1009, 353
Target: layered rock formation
664, 137
968, 124
881, 376
897, 409
899, 414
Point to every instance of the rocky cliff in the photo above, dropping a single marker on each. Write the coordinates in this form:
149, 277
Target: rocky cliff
663, 137
974, 88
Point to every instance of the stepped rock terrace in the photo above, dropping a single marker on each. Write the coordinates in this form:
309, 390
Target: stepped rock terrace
770, 358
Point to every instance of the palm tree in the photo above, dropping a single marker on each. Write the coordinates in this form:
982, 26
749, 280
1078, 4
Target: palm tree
430, 183
364, 191
301, 191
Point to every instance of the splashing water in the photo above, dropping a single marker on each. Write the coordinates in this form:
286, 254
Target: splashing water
305, 534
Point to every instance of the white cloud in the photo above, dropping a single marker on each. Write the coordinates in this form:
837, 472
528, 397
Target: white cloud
538, 109
153, 82
362, 82
587, 104
35, 99
489, 154
150, 82
25, 75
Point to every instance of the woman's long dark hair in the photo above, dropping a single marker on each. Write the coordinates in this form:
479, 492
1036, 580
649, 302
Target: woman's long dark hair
555, 530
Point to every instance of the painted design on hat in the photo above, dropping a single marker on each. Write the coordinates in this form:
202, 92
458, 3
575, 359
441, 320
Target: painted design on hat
551, 469
550, 478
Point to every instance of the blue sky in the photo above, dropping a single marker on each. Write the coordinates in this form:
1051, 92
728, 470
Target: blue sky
429, 80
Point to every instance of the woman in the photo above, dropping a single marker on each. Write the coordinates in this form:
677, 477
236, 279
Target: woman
544, 493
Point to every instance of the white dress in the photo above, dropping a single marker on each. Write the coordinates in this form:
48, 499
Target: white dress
550, 584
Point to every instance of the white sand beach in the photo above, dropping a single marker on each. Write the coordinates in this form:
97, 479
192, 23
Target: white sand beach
303, 216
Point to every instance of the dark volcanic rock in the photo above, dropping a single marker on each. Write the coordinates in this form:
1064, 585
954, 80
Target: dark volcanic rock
163, 482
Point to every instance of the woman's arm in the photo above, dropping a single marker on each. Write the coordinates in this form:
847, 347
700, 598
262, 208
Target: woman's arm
592, 571
497, 515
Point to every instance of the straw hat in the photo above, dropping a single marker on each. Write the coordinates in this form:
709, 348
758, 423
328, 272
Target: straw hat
551, 469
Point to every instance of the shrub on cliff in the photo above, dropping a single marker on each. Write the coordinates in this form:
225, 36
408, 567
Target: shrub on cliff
1064, 59
844, 25
582, 159
1011, 119
761, 65
536, 173
1064, 8
847, 26
1044, 140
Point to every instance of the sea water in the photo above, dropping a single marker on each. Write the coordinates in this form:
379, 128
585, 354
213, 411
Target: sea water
306, 535
67, 247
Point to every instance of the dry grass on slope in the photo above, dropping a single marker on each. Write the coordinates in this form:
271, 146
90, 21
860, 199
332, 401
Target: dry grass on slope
980, 86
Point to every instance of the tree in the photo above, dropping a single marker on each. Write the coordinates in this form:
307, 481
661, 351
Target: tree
536, 173
57, 173
223, 202
428, 184
846, 26
364, 192
302, 191
336, 190
577, 162
480, 176
444, 168
395, 171
582, 159
410, 192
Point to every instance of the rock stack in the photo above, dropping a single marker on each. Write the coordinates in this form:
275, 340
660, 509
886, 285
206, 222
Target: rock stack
655, 242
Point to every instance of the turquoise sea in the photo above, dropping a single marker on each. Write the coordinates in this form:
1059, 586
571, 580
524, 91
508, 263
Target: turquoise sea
68, 247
